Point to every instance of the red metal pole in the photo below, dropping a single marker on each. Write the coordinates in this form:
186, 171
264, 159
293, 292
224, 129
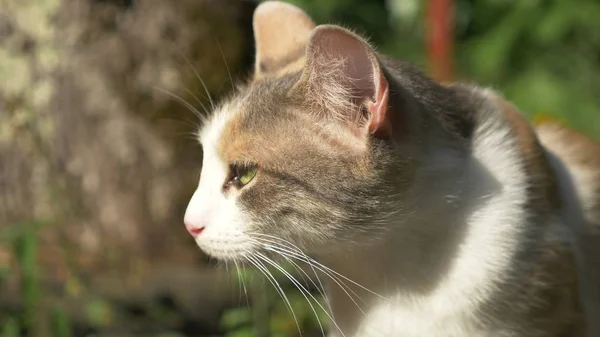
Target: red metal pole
439, 27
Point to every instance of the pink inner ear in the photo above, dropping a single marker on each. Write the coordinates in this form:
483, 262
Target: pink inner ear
378, 123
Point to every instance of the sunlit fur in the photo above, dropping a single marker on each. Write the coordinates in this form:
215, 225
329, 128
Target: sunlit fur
454, 220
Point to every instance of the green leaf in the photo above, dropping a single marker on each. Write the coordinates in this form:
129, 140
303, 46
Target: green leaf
236, 317
61, 325
25, 249
555, 24
490, 53
244, 332
10, 328
99, 313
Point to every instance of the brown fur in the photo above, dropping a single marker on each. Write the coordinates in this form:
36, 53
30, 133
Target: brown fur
582, 156
545, 197
555, 269
580, 153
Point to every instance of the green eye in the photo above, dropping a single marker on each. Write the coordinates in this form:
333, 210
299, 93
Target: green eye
241, 175
246, 175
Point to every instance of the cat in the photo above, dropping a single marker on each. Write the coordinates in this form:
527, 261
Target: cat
442, 208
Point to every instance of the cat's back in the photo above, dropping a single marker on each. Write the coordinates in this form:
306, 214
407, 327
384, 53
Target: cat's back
576, 158
581, 156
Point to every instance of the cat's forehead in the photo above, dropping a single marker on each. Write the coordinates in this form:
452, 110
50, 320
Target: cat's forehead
255, 123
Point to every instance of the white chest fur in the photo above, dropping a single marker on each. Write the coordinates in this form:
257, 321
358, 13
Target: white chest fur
393, 320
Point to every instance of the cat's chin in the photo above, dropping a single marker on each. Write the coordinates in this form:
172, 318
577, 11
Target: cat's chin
225, 256
229, 249
250, 255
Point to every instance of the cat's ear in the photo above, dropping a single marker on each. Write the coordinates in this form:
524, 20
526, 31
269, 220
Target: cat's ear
281, 32
344, 75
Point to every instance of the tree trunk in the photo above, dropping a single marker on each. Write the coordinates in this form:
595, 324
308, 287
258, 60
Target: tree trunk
94, 146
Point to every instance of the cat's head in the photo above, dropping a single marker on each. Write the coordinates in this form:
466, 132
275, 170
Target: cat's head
302, 153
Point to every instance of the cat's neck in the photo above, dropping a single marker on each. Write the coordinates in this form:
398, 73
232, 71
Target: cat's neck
458, 242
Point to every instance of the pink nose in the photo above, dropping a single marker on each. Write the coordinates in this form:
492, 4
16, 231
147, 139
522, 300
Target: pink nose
194, 230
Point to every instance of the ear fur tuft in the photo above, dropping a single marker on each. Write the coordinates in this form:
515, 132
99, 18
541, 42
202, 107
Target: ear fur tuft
344, 78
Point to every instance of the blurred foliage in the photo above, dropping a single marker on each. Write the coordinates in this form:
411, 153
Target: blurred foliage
270, 315
543, 55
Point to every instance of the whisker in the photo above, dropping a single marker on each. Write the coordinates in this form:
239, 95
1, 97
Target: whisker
301, 288
342, 285
184, 103
187, 123
241, 283
297, 285
302, 257
206, 111
226, 65
250, 257
308, 259
187, 60
321, 286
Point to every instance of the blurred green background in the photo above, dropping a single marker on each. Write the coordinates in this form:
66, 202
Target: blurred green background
543, 55
75, 64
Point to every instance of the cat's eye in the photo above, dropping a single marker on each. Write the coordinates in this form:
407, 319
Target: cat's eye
241, 175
